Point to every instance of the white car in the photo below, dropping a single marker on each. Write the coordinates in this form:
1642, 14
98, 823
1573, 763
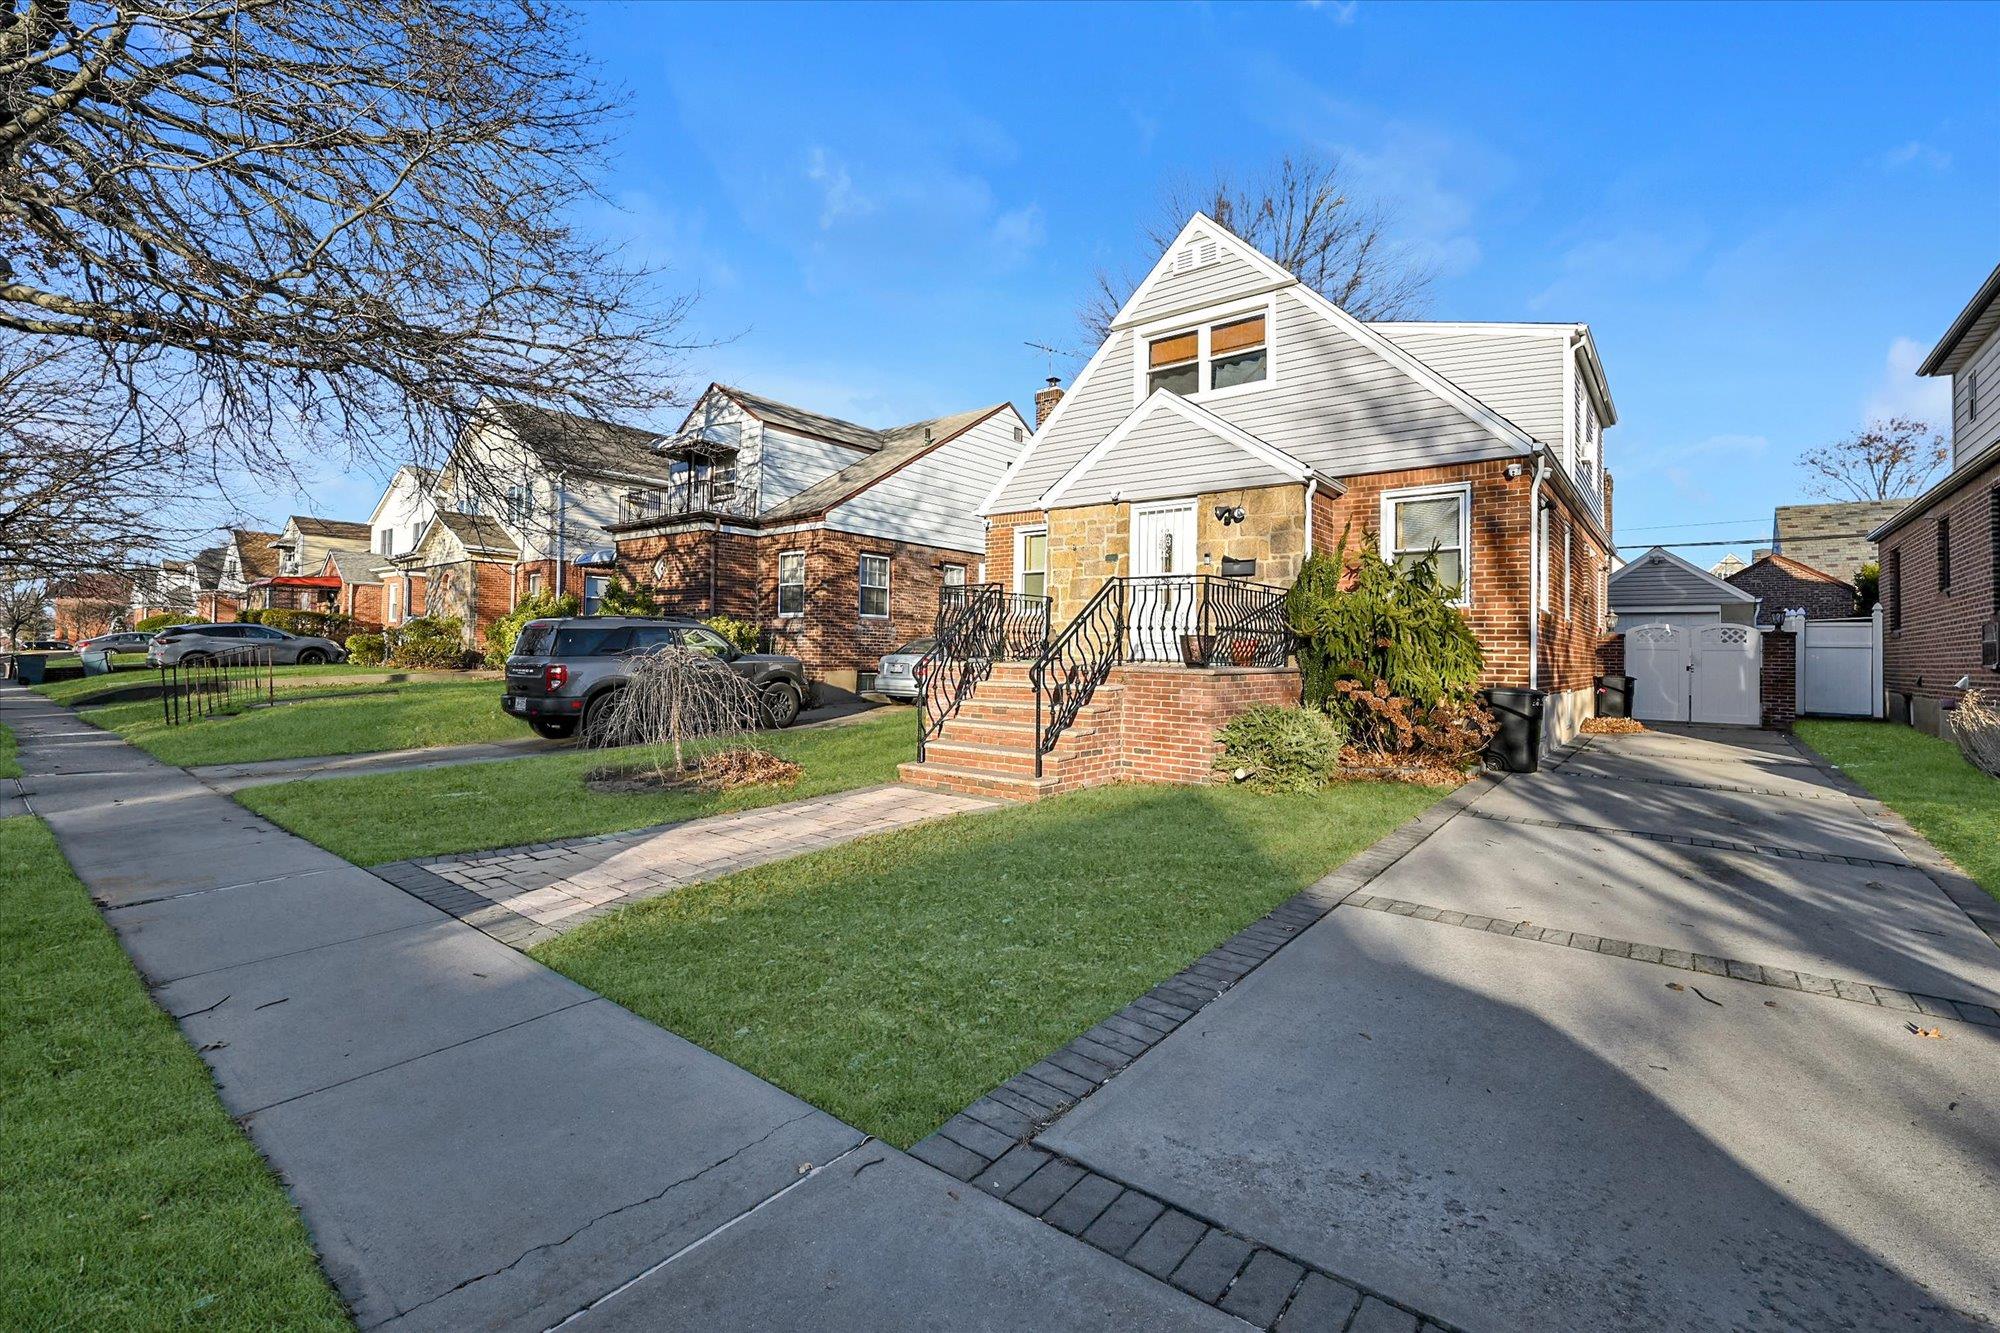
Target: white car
193, 644
896, 676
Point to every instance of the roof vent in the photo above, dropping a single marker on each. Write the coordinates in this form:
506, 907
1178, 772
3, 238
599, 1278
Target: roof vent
1195, 254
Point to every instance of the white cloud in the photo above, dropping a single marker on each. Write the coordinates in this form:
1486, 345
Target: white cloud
839, 199
1901, 392
1340, 11
1017, 232
1917, 153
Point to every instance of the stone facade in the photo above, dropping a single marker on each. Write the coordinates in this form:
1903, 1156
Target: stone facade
1832, 537
1931, 632
1087, 545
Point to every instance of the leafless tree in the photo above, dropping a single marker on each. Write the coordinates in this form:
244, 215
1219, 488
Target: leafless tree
316, 229
1886, 461
676, 696
1305, 214
24, 607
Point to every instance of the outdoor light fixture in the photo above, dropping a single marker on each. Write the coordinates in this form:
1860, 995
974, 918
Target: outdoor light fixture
1229, 514
1514, 471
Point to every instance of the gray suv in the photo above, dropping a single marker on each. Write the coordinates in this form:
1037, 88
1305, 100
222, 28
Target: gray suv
562, 669
188, 645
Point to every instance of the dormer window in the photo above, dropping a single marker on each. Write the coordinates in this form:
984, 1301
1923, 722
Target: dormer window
1228, 354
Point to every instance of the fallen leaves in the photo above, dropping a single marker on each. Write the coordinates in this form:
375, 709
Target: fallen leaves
1935, 1034
1611, 726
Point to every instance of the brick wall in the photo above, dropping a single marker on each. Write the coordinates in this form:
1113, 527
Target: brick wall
1780, 681
86, 618
1935, 640
1611, 655
1168, 716
1000, 544
1786, 589
831, 637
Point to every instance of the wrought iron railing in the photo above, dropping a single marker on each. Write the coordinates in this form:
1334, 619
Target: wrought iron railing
202, 685
701, 496
1075, 663
977, 625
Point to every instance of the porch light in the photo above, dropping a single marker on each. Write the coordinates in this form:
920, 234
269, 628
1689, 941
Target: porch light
1230, 514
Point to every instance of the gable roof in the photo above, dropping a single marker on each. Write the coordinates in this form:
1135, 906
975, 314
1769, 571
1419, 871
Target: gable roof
567, 442
308, 525
805, 422
1797, 568
424, 478
1265, 462
476, 534
899, 447
1977, 322
1478, 421
1659, 578
353, 566
256, 552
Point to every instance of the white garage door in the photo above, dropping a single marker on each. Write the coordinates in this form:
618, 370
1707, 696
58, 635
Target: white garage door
1689, 673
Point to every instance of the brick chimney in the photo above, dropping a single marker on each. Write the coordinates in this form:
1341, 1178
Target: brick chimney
1046, 399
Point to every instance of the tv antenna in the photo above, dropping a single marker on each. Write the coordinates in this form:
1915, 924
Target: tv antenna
1053, 353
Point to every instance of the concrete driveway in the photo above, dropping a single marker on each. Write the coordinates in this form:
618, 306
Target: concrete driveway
1635, 1042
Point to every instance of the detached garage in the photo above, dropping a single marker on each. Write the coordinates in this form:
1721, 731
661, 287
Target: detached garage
1692, 644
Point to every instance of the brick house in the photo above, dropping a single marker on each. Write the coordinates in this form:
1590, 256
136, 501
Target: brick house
1940, 587
223, 585
1786, 584
833, 538
87, 605
301, 581
463, 565
1232, 422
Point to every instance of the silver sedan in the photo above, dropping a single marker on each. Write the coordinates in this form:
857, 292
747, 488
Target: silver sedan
201, 643
897, 676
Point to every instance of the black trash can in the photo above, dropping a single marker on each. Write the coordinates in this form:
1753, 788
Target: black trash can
1614, 696
1517, 746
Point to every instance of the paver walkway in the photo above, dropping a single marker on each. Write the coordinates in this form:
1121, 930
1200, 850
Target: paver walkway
477, 1142
522, 895
1640, 1042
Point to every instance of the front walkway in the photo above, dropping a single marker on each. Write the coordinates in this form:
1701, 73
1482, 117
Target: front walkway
1672, 1035
524, 895
476, 1142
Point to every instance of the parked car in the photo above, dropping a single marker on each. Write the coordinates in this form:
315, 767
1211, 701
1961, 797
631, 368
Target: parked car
896, 677
189, 645
46, 646
119, 641
565, 667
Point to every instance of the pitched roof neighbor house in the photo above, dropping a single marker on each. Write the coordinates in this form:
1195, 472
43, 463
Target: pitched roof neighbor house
86, 605
300, 582
1784, 584
1233, 421
1659, 587
833, 537
1940, 586
222, 584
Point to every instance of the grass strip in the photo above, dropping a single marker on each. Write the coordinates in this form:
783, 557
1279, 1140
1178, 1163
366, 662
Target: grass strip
1926, 781
131, 1198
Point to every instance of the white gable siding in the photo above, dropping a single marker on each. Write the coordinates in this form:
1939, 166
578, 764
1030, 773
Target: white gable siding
788, 463
1229, 274
1093, 409
934, 501
401, 514
1164, 456
1518, 375
1968, 437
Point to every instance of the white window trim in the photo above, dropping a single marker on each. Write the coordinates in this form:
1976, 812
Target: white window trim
1021, 536
944, 574
1462, 490
860, 563
800, 613
1200, 322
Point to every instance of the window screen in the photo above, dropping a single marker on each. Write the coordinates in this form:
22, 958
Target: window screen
1430, 527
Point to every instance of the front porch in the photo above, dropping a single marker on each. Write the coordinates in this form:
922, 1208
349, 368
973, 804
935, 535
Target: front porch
1131, 688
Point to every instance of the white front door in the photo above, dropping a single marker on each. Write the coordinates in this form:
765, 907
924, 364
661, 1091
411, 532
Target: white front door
1164, 600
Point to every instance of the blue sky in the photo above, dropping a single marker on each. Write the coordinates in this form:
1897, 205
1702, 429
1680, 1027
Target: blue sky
1766, 214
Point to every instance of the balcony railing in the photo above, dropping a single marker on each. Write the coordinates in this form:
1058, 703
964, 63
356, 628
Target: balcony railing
701, 497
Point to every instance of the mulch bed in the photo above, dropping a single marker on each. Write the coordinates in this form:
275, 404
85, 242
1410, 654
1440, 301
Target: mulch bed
716, 772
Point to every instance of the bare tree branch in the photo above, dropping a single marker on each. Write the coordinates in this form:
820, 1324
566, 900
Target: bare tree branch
1886, 461
1303, 214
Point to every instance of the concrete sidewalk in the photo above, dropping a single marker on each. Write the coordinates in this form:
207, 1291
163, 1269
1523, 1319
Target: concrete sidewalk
475, 1141
262, 773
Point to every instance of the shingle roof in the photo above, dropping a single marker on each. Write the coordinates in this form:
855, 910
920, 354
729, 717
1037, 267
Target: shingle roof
207, 566
478, 533
311, 526
354, 566
256, 551
564, 440
898, 446
774, 413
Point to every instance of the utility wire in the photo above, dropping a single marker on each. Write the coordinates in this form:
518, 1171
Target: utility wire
1759, 540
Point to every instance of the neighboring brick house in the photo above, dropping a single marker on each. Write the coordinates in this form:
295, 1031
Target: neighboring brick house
87, 605
1785, 584
1940, 588
300, 582
832, 537
358, 589
223, 585
463, 565
1832, 538
1233, 421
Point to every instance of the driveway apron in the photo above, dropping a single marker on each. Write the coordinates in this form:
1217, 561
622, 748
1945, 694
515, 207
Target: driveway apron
475, 1141
1642, 1041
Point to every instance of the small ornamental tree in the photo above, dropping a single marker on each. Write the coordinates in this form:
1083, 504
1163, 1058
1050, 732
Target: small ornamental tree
1361, 619
628, 599
674, 696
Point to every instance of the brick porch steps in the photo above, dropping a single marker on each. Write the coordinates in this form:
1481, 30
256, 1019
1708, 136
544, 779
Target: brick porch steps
988, 747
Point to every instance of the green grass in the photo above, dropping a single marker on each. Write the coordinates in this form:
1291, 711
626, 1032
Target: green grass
430, 812
131, 1200
894, 980
10, 761
1926, 781
78, 693
345, 719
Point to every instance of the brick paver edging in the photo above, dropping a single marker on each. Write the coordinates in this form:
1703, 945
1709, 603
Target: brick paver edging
1684, 840
1736, 969
502, 923
1705, 786
989, 1143
1961, 888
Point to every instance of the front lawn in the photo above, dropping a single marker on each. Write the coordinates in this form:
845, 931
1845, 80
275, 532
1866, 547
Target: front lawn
131, 1200
434, 811
78, 693
10, 754
341, 719
894, 980
1926, 781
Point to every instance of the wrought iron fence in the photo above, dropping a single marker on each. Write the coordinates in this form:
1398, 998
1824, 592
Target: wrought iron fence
977, 625
203, 685
1205, 620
